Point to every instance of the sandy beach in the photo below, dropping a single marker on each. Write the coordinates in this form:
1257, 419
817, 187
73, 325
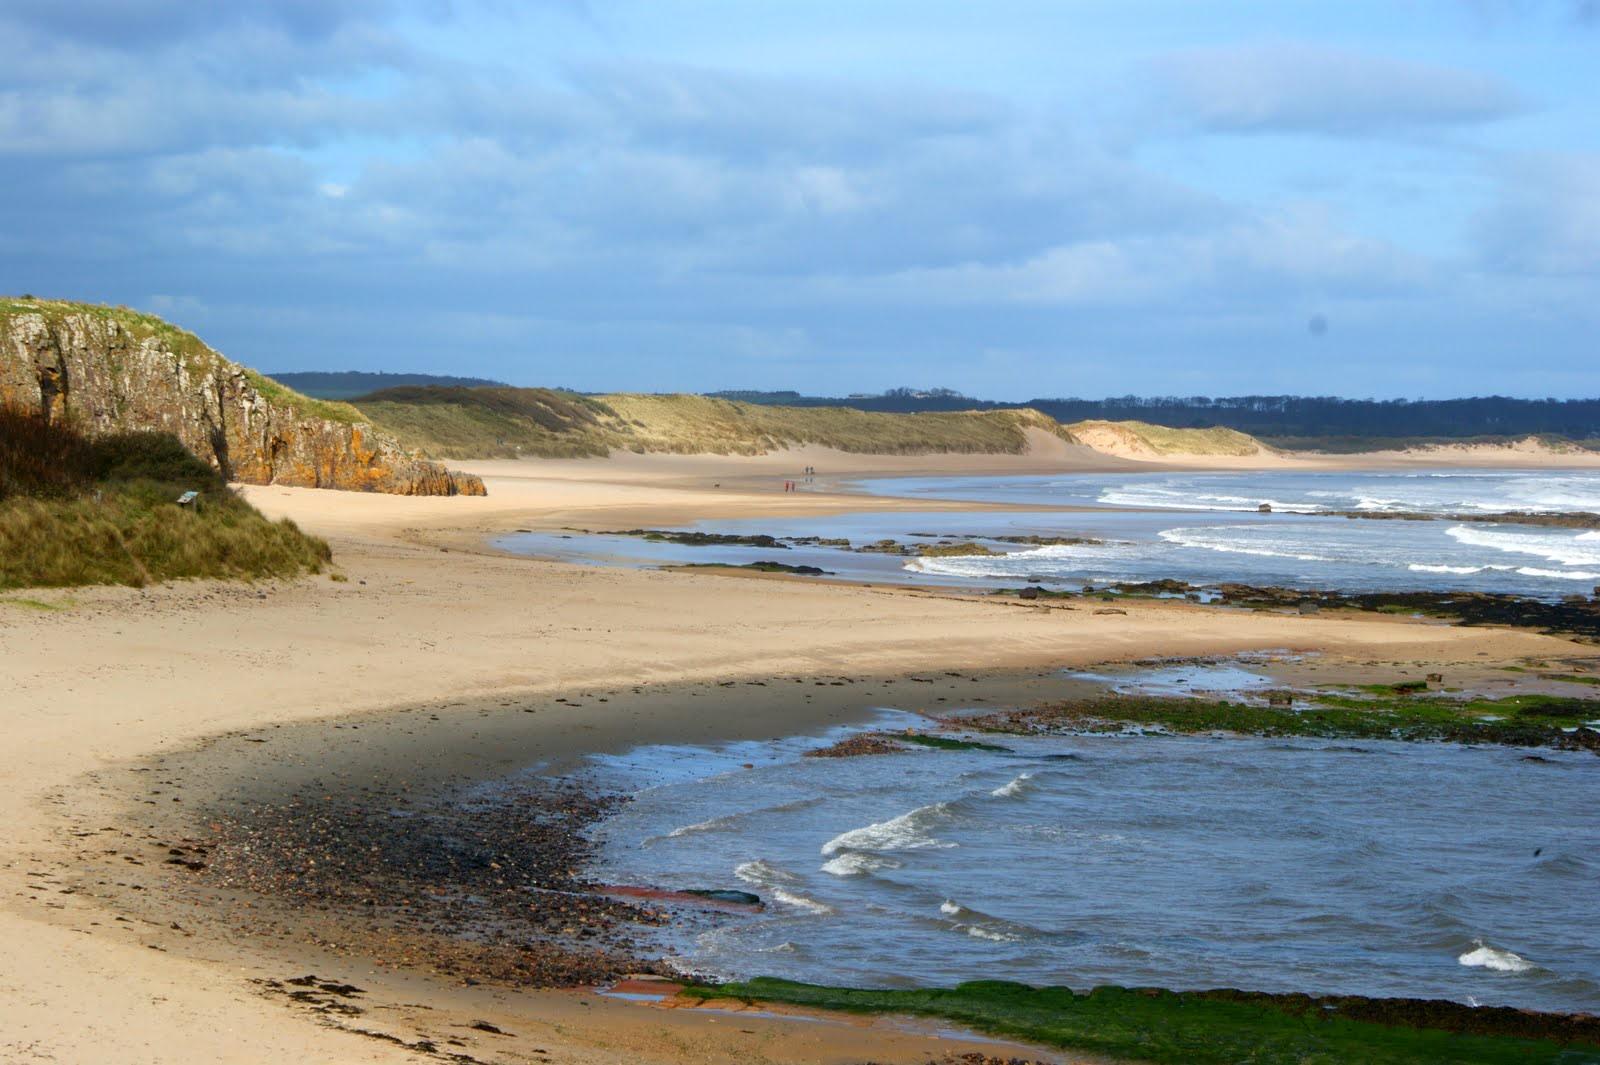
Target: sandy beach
100, 684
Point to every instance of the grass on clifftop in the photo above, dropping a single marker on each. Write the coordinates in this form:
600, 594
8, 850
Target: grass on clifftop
76, 511
507, 422
1216, 1027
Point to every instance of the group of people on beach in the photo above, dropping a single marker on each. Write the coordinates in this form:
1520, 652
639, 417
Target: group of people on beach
794, 486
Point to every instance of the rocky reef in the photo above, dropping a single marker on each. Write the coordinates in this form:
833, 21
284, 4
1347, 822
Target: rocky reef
106, 370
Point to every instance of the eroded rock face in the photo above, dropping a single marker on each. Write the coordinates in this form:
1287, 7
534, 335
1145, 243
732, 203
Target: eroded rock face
108, 371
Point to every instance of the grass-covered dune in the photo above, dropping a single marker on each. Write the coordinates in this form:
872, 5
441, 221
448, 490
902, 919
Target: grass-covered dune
508, 422
76, 510
1218, 1027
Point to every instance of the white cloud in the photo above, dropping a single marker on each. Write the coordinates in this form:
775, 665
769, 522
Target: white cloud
1303, 88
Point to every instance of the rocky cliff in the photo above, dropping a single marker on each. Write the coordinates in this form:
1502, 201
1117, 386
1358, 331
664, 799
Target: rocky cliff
108, 369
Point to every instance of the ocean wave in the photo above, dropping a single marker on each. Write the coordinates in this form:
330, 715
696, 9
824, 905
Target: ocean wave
1209, 540
802, 902
1423, 567
1559, 574
713, 825
978, 931
981, 925
727, 822
1564, 548
854, 863
763, 873
1016, 787
907, 832
1495, 959
1177, 498
1053, 559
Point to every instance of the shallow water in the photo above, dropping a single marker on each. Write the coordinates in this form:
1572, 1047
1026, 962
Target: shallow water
1201, 527
1428, 870
1455, 491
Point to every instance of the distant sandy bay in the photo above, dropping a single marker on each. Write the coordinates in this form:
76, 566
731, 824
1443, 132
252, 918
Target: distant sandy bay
96, 682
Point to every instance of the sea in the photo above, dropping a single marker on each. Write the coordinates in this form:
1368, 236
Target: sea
1203, 528
1307, 865
1370, 868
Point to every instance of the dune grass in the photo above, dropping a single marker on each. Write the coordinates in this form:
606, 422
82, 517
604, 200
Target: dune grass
1214, 1027
507, 422
80, 511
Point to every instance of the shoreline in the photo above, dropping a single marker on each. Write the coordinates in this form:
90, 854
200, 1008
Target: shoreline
105, 678
255, 858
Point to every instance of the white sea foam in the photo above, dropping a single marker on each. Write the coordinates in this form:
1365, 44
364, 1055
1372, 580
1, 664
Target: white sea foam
1500, 961
1016, 787
801, 902
763, 873
907, 832
1564, 548
1217, 539
1559, 574
854, 863
948, 908
1423, 567
1187, 498
977, 931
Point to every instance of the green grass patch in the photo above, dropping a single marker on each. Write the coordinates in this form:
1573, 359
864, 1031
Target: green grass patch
79, 511
1215, 1027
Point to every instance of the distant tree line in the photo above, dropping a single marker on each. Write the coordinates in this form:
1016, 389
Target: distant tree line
348, 384
1272, 417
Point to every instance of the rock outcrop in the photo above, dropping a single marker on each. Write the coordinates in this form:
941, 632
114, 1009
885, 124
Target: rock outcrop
108, 370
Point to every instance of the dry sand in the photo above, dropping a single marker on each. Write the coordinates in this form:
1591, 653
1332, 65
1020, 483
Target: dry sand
94, 680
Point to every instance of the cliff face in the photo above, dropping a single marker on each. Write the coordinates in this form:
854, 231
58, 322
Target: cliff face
107, 370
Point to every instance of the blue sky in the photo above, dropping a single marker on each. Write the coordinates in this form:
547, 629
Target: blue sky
1015, 199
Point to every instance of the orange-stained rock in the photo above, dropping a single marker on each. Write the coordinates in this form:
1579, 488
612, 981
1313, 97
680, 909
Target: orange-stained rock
109, 370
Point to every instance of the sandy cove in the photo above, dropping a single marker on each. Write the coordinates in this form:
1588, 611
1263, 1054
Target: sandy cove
94, 680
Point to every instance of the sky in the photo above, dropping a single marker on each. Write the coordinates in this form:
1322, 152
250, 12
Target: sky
1015, 199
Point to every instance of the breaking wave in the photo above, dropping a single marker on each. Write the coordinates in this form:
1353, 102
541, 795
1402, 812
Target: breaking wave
907, 832
1495, 959
854, 863
1216, 539
802, 902
1562, 548
1016, 787
763, 874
